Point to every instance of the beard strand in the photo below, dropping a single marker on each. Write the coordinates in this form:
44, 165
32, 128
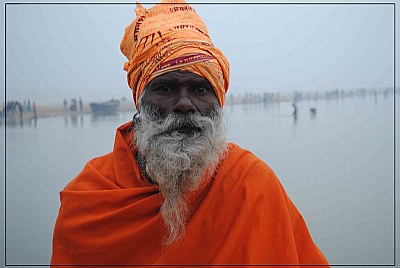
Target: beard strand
177, 161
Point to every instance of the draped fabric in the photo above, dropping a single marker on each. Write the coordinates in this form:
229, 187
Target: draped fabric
110, 215
171, 36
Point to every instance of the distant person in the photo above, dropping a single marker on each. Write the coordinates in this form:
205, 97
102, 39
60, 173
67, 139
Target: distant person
34, 110
174, 191
80, 105
313, 112
294, 108
29, 105
65, 104
20, 109
72, 106
294, 113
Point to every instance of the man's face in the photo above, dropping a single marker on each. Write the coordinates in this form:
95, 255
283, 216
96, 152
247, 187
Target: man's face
180, 133
180, 92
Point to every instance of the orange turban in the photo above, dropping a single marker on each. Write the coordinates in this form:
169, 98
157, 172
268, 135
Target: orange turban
167, 37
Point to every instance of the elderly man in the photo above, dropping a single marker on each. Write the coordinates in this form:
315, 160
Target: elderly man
173, 191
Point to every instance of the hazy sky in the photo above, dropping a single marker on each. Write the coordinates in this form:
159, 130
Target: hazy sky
64, 51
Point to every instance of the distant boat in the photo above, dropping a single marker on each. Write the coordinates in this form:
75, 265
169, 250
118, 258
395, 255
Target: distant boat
104, 107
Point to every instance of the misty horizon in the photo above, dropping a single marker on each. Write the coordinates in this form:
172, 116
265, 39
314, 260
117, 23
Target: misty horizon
70, 51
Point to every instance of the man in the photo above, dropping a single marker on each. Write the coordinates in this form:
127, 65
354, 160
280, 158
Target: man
173, 191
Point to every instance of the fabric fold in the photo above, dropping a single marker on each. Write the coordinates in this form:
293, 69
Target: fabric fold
241, 215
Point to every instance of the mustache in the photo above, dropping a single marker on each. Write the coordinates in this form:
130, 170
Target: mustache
176, 123
180, 123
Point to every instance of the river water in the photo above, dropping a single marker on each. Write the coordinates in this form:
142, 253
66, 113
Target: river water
337, 167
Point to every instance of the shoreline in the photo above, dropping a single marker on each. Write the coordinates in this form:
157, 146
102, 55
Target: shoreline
45, 111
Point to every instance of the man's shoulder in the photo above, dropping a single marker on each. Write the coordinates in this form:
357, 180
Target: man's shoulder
248, 169
97, 174
246, 179
246, 161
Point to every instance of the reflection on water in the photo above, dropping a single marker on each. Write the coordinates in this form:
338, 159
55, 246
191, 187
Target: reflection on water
335, 162
111, 116
74, 120
12, 123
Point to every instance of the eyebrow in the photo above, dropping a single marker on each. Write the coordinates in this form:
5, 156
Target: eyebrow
170, 80
160, 80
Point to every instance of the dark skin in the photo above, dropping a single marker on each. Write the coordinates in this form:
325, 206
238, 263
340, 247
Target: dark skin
180, 92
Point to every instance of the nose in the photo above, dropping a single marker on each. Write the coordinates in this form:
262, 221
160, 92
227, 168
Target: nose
184, 103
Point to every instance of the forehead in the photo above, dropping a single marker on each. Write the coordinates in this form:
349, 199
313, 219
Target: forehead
178, 77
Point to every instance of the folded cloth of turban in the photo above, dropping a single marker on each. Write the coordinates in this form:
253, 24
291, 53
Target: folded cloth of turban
167, 37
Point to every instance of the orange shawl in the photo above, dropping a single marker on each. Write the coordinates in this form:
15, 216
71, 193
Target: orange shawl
110, 215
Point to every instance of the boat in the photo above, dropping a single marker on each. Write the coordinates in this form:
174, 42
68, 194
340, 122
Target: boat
104, 107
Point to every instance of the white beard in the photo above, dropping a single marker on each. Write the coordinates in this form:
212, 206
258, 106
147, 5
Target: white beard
177, 161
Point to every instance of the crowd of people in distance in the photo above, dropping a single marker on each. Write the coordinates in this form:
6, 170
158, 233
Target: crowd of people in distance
74, 105
15, 107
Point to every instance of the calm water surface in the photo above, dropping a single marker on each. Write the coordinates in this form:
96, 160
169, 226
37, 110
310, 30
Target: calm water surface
337, 167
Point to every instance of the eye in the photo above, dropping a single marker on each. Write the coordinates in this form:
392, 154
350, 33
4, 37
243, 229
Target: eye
201, 90
164, 89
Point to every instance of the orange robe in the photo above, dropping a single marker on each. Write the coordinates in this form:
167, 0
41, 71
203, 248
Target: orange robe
110, 215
